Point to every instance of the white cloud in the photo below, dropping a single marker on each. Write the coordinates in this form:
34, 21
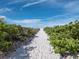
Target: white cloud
26, 21
34, 3
72, 7
16, 1
3, 17
60, 20
38, 23
55, 3
28, 2
3, 10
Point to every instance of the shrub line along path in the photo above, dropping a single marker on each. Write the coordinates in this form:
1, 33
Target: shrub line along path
38, 48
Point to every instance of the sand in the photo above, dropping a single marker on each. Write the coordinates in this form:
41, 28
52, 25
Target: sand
38, 48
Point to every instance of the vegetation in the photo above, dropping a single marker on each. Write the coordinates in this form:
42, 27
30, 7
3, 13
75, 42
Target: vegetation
10, 33
65, 38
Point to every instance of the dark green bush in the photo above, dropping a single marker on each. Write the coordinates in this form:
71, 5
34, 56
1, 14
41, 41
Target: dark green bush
10, 33
64, 38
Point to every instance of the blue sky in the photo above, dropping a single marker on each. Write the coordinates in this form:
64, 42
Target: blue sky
39, 13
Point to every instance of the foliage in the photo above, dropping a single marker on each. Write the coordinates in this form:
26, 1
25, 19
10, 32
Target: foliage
10, 33
64, 38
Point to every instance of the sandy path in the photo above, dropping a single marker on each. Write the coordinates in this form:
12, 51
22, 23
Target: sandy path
39, 48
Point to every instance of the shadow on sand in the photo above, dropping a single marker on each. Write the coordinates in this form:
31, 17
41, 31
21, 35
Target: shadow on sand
22, 52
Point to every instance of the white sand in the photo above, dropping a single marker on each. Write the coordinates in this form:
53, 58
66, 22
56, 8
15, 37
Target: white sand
39, 48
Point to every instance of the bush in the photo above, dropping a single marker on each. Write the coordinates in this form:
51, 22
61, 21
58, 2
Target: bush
65, 38
10, 33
